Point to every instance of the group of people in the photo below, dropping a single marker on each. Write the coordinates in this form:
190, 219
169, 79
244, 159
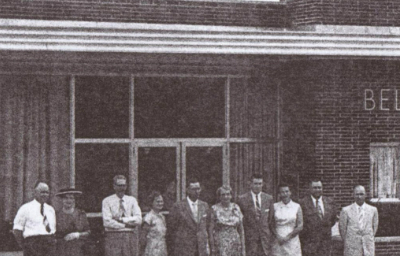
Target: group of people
254, 226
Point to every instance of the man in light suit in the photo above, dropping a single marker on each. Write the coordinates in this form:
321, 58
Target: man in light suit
187, 226
255, 206
319, 215
358, 225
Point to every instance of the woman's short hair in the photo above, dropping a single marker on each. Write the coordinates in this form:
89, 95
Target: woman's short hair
224, 187
153, 195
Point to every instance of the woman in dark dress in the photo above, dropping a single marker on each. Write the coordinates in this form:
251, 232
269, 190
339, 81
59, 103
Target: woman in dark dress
72, 225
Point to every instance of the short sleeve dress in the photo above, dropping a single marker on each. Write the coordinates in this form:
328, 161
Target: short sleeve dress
69, 223
226, 236
155, 240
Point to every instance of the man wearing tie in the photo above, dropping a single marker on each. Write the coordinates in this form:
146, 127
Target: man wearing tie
319, 215
358, 225
255, 206
35, 224
121, 214
187, 229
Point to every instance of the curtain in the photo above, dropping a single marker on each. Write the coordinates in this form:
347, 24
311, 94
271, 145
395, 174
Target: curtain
385, 171
34, 137
253, 115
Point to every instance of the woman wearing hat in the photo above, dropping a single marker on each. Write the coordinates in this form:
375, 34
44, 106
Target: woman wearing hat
72, 225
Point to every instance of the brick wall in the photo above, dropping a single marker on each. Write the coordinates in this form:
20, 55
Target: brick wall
332, 130
345, 12
149, 11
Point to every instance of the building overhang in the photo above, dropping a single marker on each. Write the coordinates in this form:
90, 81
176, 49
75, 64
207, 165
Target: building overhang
77, 36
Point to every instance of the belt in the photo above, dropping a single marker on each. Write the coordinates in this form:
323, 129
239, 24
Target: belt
39, 237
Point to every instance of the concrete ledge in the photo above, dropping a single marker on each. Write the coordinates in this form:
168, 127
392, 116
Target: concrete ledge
387, 239
359, 30
70, 36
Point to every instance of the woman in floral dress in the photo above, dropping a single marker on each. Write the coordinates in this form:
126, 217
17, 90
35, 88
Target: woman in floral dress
226, 228
154, 229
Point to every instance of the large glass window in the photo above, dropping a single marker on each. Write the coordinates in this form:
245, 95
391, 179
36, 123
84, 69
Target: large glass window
96, 165
157, 171
102, 107
179, 107
206, 165
161, 131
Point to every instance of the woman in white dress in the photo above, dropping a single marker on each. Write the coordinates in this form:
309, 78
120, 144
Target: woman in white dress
286, 223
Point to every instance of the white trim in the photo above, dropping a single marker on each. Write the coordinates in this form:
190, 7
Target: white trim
75, 36
72, 132
105, 140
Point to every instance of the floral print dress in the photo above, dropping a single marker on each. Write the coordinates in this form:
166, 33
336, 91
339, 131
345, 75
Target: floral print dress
226, 223
156, 245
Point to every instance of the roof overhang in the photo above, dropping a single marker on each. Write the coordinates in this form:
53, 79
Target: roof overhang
76, 36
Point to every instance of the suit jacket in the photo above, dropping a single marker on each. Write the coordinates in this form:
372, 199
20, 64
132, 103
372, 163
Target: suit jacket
256, 230
187, 236
358, 239
317, 233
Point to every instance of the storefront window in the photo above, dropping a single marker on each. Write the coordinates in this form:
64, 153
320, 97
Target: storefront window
102, 107
95, 167
179, 107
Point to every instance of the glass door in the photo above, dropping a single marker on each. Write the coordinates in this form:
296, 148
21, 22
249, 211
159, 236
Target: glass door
205, 161
158, 167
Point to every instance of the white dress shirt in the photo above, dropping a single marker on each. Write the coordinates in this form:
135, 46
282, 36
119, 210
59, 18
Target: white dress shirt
320, 202
194, 206
30, 221
111, 209
253, 195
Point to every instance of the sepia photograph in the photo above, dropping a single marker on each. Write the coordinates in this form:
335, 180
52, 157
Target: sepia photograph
199, 127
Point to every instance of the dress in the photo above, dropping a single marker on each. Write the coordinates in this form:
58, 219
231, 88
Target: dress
226, 236
69, 223
285, 216
155, 240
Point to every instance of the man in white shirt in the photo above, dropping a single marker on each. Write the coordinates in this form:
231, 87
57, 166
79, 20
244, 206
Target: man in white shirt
358, 225
35, 224
121, 215
319, 215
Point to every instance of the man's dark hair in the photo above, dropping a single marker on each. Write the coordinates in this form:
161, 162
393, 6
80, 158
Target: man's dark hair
256, 176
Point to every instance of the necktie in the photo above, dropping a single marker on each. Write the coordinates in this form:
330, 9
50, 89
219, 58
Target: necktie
195, 213
319, 209
361, 217
258, 208
121, 208
45, 221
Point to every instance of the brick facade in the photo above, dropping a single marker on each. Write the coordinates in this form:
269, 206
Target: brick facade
150, 11
331, 128
292, 13
345, 12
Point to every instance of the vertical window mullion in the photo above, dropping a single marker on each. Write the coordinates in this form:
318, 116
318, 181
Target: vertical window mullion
72, 131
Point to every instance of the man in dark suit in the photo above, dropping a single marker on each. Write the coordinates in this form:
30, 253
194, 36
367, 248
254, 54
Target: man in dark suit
255, 206
319, 215
187, 226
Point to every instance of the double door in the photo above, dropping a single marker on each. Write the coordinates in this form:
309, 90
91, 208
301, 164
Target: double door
166, 165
